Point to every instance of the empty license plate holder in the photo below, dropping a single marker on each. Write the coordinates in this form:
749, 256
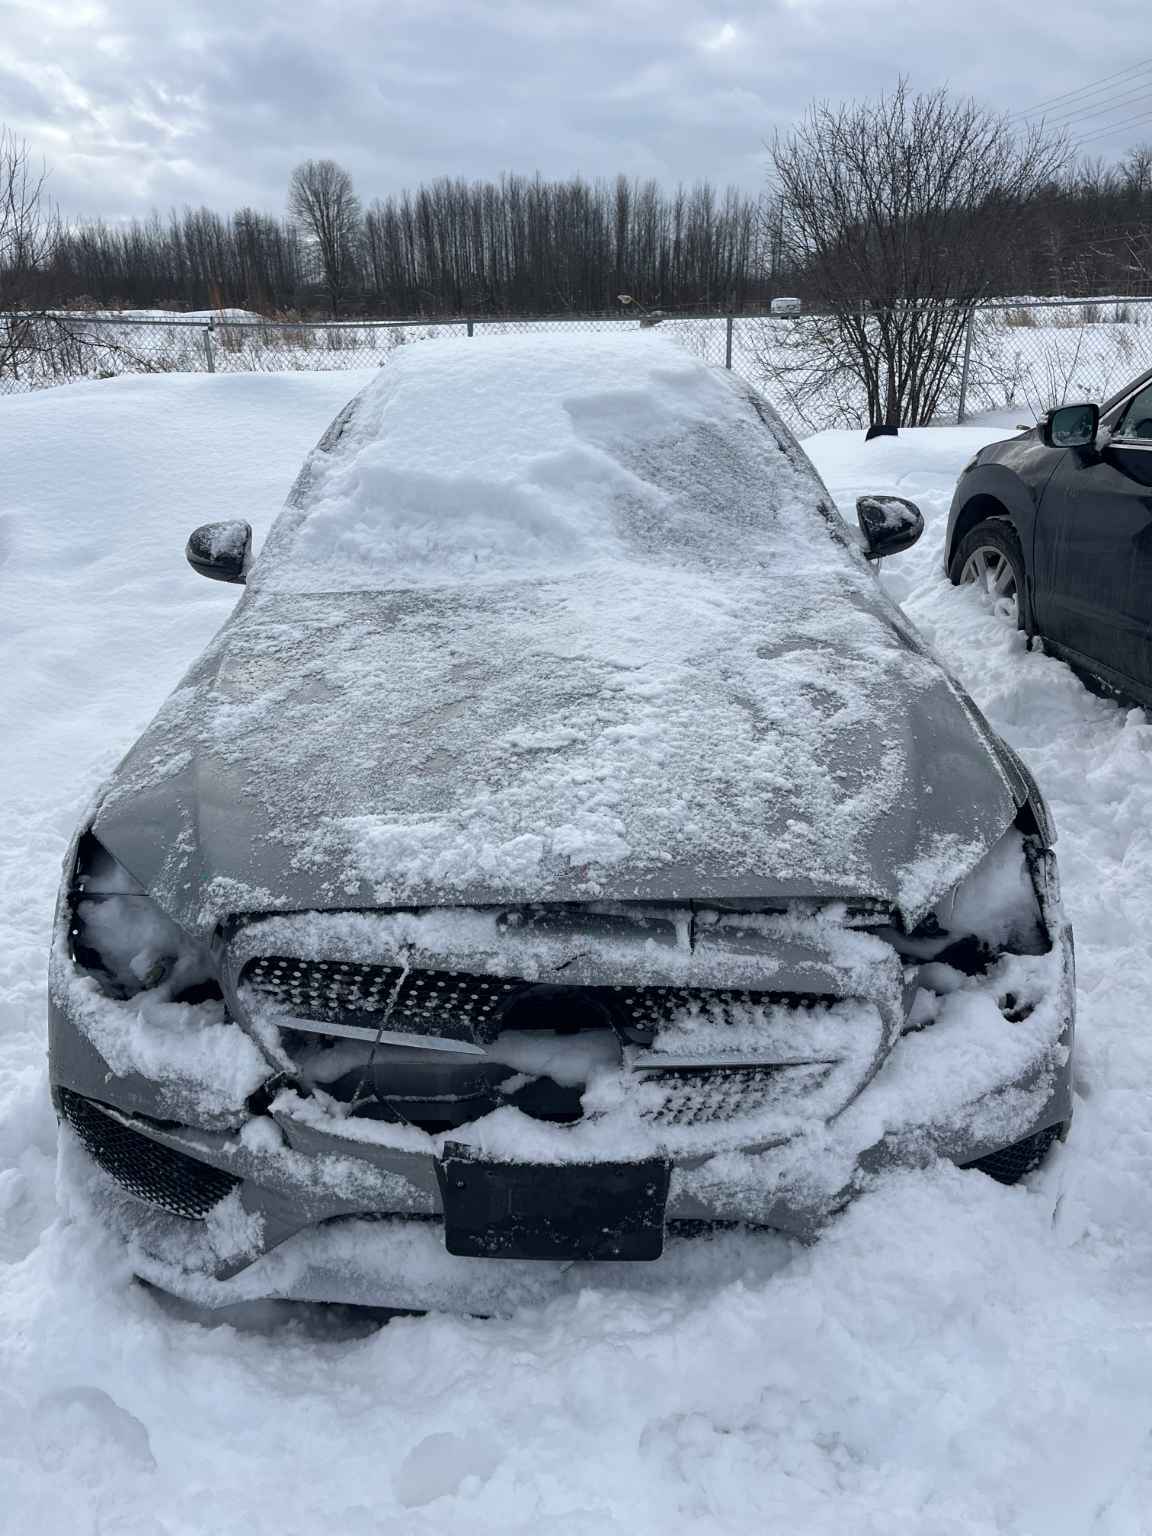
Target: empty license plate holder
552, 1210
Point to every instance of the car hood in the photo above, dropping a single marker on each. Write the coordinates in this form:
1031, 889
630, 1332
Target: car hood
555, 621
562, 741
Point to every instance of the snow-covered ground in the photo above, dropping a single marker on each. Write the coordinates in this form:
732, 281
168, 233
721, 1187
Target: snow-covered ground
953, 1357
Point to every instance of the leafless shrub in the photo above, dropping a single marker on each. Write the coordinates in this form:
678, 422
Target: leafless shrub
230, 338
39, 349
1060, 360
893, 211
337, 340
1050, 383
811, 382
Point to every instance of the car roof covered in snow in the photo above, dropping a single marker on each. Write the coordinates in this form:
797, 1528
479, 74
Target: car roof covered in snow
504, 459
559, 618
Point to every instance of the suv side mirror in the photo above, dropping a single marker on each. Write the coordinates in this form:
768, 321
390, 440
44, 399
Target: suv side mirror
1070, 426
889, 524
220, 550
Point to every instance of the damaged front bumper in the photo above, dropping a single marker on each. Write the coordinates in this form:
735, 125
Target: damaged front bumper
235, 1189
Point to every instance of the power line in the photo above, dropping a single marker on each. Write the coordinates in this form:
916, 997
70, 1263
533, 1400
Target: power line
1139, 92
1090, 89
1110, 128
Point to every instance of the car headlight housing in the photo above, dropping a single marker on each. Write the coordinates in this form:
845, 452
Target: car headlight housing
120, 937
988, 931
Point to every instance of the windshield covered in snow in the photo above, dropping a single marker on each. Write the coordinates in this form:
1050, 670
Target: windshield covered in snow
505, 458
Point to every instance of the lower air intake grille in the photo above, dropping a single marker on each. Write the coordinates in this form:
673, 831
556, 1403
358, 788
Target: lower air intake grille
1010, 1164
718, 1093
144, 1167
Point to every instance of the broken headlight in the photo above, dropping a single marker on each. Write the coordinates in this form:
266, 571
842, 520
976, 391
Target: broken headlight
1003, 905
1007, 906
120, 937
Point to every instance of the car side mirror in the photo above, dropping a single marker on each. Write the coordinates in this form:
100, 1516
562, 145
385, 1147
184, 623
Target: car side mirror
889, 524
1070, 426
220, 550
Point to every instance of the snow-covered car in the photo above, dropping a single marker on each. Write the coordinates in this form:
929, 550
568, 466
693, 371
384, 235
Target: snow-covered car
565, 847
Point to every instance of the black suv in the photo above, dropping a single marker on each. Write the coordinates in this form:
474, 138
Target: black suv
1056, 525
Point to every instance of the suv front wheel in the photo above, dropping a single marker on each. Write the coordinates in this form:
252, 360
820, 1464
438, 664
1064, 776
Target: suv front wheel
989, 557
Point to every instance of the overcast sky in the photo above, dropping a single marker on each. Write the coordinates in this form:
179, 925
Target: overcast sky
141, 104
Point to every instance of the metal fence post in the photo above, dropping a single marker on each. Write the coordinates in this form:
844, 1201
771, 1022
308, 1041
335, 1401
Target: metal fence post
961, 407
471, 325
729, 322
209, 360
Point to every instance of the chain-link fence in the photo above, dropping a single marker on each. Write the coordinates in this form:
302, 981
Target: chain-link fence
1034, 354
37, 351
1022, 355
45, 349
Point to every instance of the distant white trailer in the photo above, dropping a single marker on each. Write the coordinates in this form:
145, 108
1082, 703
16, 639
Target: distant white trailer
786, 307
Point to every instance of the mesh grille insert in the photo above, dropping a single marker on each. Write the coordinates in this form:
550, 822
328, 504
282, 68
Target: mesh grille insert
342, 992
649, 1008
1010, 1164
699, 1097
147, 1169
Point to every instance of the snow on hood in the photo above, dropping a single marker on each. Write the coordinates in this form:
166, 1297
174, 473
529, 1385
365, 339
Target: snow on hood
557, 619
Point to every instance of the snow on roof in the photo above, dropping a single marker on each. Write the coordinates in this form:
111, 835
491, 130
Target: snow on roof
498, 458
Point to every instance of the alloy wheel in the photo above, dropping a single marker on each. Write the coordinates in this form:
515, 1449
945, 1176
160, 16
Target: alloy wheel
991, 570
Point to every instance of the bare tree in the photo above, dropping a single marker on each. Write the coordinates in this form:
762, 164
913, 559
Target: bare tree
29, 226
29, 235
322, 200
896, 214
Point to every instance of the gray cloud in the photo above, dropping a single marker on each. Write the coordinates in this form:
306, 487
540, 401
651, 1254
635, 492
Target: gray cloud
138, 104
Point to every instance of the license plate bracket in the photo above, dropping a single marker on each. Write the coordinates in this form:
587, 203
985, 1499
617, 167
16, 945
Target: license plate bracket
552, 1210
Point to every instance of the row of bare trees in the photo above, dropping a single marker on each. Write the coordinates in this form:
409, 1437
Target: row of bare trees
1086, 231
530, 244
517, 245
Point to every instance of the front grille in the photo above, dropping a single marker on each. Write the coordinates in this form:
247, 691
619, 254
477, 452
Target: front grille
1010, 1164
717, 1054
146, 1168
457, 1004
